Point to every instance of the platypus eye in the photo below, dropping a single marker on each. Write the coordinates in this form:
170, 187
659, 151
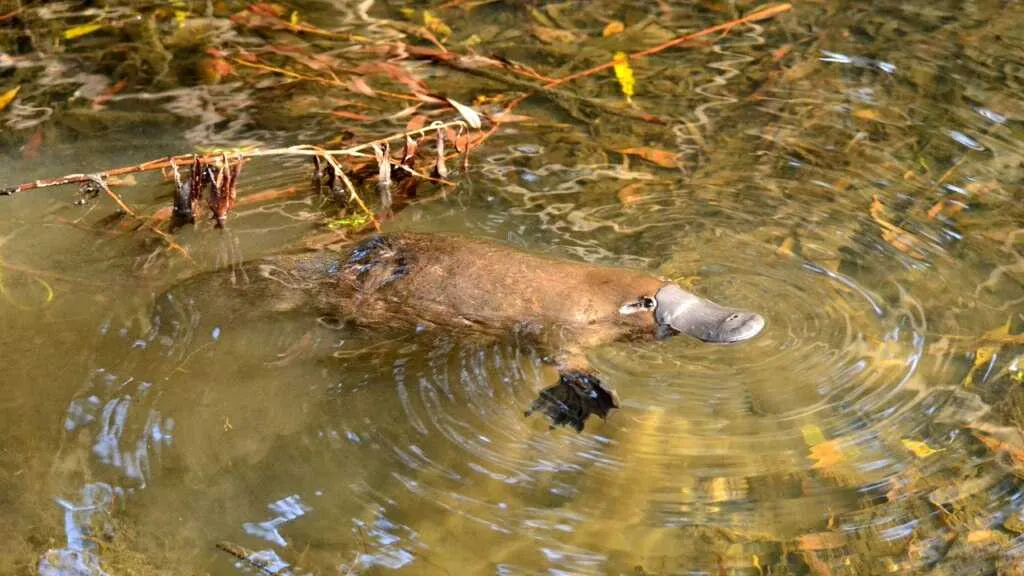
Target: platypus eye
644, 303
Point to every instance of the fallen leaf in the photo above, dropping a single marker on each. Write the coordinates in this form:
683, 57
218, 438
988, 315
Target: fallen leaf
786, 248
920, 449
630, 195
508, 118
82, 30
107, 94
1016, 453
613, 28
467, 113
357, 84
976, 536
396, 73
866, 114
268, 9
781, 52
624, 74
826, 455
213, 70
435, 24
416, 122
8, 97
660, 157
821, 541
350, 115
812, 434
553, 35
984, 354
31, 148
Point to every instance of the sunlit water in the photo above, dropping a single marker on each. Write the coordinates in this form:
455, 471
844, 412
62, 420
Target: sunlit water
850, 172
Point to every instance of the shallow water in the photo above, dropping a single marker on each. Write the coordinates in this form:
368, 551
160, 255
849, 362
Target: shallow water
850, 171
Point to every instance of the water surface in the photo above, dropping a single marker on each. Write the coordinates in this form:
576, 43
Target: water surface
851, 171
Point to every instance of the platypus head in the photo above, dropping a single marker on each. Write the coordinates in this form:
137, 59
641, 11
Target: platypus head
678, 311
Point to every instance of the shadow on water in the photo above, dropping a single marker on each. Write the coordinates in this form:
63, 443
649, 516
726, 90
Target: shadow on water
851, 172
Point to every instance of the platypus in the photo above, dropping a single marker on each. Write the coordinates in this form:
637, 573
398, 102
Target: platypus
451, 281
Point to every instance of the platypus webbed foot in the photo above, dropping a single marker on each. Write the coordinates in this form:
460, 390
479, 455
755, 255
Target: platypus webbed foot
573, 399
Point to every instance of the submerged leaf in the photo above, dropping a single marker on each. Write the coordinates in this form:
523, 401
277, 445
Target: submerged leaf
984, 354
920, 449
826, 454
624, 74
613, 28
660, 157
353, 221
821, 541
549, 35
8, 97
82, 30
435, 24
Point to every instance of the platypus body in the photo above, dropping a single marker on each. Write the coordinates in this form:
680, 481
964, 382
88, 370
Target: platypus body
441, 280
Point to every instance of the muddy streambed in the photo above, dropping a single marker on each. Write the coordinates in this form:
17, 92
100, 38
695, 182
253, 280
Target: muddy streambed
852, 172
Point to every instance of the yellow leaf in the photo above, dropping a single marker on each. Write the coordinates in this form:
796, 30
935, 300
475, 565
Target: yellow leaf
82, 30
866, 114
613, 28
180, 16
976, 536
8, 97
826, 454
984, 354
295, 17
812, 435
786, 248
920, 449
624, 74
435, 24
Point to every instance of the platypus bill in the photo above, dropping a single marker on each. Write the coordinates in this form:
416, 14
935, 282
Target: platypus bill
442, 280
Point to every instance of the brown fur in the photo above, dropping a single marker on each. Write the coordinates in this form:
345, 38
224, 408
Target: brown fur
455, 281
450, 281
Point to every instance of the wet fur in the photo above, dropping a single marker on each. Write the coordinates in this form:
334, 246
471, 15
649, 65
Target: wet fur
449, 281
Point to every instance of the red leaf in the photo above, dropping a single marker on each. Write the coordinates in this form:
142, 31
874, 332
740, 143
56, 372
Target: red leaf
660, 157
350, 115
416, 122
508, 118
357, 84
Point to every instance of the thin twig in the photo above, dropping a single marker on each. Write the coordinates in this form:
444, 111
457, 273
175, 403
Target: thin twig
11, 14
98, 181
340, 173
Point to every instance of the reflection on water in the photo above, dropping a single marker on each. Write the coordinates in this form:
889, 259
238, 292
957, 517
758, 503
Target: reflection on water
850, 172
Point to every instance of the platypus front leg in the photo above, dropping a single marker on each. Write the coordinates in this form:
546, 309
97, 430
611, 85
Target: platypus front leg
573, 399
577, 394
